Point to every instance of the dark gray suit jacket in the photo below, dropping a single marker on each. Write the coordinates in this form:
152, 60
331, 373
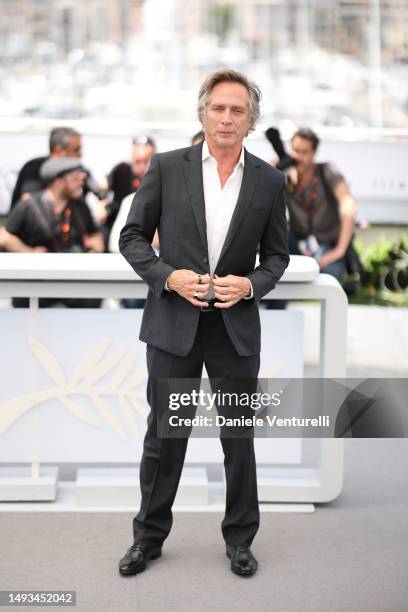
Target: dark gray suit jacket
171, 199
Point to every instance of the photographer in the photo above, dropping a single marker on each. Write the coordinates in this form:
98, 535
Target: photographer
54, 220
321, 209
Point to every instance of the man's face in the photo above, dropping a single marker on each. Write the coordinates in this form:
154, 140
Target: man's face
226, 118
73, 147
73, 184
303, 152
141, 156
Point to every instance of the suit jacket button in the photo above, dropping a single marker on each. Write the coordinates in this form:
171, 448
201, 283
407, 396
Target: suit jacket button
205, 260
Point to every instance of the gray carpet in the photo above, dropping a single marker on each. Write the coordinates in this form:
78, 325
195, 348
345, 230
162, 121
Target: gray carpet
350, 555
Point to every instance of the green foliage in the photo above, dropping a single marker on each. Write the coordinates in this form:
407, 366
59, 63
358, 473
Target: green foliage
385, 273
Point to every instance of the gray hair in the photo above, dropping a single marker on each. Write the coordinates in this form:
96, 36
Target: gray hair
60, 136
231, 76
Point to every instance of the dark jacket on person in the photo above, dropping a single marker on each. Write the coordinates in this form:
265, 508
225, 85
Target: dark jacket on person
171, 199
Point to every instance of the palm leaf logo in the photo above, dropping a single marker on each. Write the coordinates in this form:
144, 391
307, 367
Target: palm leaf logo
88, 380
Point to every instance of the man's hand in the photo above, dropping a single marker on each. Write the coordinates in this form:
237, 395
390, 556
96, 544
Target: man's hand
100, 210
230, 289
185, 283
293, 174
93, 242
328, 258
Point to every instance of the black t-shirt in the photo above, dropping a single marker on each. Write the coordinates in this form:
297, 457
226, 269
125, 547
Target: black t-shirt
122, 181
28, 180
35, 223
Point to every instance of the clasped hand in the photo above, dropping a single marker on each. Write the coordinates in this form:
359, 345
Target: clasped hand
228, 289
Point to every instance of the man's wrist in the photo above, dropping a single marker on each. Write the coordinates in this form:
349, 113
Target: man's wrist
166, 286
338, 252
250, 293
335, 253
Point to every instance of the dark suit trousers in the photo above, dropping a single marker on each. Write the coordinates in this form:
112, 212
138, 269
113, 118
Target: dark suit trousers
163, 458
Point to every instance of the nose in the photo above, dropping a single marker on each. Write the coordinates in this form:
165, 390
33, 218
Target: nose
226, 118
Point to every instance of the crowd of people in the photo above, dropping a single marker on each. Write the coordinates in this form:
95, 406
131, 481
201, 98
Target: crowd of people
57, 205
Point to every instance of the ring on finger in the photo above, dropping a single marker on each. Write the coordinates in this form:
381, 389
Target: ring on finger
196, 295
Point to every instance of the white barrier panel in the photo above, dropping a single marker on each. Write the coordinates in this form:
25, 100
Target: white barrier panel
75, 389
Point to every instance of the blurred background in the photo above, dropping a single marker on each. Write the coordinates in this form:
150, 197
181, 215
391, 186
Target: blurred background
340, 63
115, 69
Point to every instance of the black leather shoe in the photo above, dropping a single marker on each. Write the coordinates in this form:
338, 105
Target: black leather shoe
136, 558
243, 561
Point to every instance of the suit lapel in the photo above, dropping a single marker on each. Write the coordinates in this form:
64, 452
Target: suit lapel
193, 172
249, 181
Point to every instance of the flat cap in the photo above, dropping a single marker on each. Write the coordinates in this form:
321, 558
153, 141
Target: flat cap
58, 166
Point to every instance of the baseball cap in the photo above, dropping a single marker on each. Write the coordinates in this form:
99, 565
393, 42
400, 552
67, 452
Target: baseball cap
58, 166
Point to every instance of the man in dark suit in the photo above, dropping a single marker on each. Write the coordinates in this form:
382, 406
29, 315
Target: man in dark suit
213, 204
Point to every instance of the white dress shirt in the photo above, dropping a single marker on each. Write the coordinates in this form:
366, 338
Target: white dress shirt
120, 222
219, 202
